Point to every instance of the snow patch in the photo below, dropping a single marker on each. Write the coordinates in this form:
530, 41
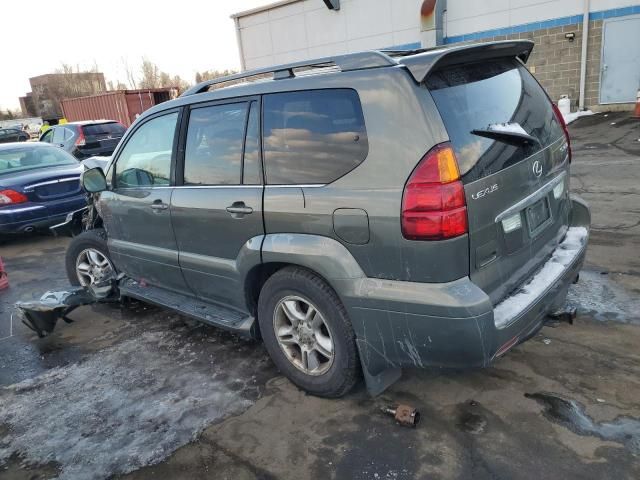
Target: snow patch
124, 407
507, 128
570, 117
603, 299
562, 257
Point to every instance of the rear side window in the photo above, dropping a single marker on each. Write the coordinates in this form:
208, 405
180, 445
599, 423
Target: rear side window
482, 96
213, 153
312, 137
114, 129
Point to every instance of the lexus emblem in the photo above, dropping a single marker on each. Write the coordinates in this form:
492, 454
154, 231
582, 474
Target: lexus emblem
537, 168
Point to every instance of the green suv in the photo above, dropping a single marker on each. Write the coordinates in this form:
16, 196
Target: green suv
360, 213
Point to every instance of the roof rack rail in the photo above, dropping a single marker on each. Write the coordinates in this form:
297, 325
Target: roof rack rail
346, 63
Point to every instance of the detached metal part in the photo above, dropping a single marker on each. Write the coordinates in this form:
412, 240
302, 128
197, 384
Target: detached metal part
404, 414
564, 316
42, 315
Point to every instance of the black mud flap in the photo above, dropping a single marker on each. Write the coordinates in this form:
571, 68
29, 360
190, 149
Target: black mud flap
42, 315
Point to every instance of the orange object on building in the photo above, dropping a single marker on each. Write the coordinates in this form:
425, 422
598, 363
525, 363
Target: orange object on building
636, 114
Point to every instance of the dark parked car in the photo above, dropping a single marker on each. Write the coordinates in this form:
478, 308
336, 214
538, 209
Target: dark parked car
85, 139
39, 186
400, 209
8, 135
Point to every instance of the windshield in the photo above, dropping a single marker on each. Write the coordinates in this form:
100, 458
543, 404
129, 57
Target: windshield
20, 159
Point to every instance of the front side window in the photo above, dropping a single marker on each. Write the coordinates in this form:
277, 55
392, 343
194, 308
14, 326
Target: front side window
58, 135
313, 137
213, 152
47, 136
145, 161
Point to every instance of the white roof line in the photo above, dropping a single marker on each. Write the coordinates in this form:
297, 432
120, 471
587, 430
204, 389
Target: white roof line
264, 8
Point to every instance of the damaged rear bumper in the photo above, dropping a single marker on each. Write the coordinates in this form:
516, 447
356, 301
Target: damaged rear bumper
454, 325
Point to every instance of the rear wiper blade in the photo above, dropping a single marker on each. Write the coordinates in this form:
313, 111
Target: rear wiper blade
511, 133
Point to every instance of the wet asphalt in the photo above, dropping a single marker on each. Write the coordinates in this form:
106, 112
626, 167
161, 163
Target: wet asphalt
131, 391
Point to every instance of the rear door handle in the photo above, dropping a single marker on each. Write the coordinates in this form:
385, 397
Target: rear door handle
239, 209
159, 205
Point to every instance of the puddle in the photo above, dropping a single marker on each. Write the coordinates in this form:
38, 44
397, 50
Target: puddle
470, 420
598, 296
571, 414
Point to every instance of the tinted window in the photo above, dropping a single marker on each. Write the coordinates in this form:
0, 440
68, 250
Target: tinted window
20, 159
251, 169
479, 96
114, 129
213, 152
146, 158
312, 136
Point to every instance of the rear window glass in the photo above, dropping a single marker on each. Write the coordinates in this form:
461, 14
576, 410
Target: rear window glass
313, 136
482, 96
104, 129
19, 159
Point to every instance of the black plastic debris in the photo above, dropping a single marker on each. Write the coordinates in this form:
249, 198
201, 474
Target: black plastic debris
42, 315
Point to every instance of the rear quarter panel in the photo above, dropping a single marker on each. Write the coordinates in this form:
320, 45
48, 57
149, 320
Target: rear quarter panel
402, 125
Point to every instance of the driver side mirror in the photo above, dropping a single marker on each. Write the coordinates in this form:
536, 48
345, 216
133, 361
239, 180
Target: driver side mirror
93, 180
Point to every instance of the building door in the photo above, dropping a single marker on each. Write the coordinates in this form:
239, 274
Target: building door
620, 70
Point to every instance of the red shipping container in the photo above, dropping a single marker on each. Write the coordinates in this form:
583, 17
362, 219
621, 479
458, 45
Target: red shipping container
120, 105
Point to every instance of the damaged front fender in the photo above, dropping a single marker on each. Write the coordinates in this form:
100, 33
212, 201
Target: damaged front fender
42, 315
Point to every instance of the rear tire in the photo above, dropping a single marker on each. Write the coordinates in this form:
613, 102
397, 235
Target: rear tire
90, 245
307, 332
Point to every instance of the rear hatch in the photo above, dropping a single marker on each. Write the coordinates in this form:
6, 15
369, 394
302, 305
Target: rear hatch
513, 156
101, 138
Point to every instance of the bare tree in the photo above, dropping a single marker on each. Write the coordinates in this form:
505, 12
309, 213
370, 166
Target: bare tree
131, 76
212, 74
9, 114
118, 85
151, 76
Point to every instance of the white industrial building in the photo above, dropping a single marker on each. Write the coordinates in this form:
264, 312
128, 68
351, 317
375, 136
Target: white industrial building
596, 69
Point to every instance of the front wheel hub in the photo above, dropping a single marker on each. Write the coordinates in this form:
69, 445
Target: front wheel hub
92, 266
303, 335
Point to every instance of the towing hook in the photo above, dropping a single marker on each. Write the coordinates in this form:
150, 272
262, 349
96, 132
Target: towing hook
564, 316
405, 415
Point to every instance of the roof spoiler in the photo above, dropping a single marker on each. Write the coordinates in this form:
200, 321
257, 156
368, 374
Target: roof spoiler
422, 63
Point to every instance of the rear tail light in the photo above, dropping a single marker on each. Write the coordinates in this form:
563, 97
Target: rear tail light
563, 124
433, 202
11, 197
80, 141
